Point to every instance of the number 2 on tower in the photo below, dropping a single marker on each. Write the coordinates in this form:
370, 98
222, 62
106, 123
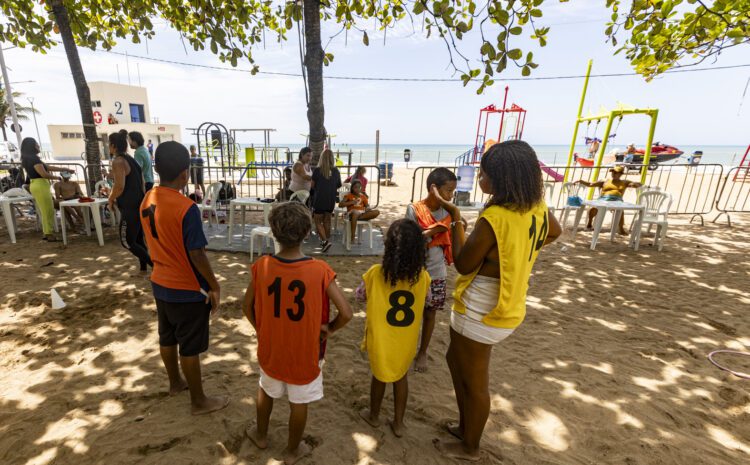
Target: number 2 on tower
296, 286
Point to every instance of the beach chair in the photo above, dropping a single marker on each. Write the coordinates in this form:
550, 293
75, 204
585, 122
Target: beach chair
348, 231
549, 193
570, 189
657, 205
210, 202
263, 233
340, 211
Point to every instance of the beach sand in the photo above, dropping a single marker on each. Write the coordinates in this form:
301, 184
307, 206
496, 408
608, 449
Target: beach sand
609, 367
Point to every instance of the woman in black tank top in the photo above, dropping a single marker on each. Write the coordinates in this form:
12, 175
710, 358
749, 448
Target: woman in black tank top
128, 193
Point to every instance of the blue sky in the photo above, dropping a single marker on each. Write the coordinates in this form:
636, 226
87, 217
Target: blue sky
695, 108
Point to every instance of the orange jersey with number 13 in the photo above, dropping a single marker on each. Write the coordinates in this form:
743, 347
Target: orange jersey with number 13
290, 296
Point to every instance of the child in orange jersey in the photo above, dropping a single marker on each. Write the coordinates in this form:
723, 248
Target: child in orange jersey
396, 292
285, 303
357, 207
184, 286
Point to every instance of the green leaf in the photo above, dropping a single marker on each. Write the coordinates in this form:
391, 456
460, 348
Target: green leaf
515, 54
517, 30
365, 39
525, 71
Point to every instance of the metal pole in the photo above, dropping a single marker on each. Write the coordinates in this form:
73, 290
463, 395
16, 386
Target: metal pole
33, 112
578, 121
647, 155
9, 98
502, 116
127, 66
598, 164
377, 146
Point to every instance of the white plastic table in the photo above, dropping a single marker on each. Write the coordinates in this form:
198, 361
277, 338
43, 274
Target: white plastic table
10, 217
617, 207
243, 203
94, 207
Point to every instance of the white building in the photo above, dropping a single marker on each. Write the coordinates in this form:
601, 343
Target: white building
115, 107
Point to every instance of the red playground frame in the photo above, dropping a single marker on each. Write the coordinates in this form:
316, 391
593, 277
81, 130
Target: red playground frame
481, 137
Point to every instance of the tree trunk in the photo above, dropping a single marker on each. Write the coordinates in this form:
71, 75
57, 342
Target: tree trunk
314, 67
5, 135
93, 157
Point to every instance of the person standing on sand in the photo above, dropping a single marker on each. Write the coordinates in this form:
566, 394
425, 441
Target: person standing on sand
196, 171
287, 302
127, 192
150, 147
490, 293
142, 157
326, 180
184, 286
396, 292
435, 223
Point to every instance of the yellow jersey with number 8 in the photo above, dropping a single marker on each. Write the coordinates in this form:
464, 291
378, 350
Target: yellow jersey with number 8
394, 318
519, 238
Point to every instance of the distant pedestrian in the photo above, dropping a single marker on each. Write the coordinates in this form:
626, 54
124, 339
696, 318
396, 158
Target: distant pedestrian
150, 147
196, 171
142, 157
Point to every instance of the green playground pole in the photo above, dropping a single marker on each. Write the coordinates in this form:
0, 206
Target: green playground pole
654, 114
602, 149
578, 120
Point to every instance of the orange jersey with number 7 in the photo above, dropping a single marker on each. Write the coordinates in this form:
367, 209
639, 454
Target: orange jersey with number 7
394, 318
290, 297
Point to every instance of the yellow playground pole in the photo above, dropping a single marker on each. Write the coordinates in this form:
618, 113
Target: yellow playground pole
602, 151
578, 121
654, 114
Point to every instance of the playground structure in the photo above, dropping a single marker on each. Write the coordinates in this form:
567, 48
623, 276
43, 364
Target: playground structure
511, 129
610, 117
742, 174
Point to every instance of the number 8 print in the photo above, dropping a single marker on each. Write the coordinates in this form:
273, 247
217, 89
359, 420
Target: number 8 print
396, 306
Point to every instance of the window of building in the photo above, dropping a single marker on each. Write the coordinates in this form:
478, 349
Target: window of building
96, 103
137, 113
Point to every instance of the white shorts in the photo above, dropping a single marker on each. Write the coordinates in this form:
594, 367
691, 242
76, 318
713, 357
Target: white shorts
297, 394
479, 299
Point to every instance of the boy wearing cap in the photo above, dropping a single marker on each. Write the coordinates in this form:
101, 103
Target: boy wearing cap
66, 189
185, 288
613, 190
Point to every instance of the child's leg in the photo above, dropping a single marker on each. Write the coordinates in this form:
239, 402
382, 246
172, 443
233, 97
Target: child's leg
473, 361
456, 430
263, 409
592, 214
169, 356
437, 301
377, 391
369, 215
622, 225
353, 224
296, 449
327, 225
200, 402
400, 395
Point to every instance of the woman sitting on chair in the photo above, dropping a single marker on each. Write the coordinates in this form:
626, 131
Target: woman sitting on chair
613, 190
357, 207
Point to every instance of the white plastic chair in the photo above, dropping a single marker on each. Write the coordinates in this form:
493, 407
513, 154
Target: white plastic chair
300, 196
340, 211
549, 193
348, 231
570, 189
261, 232
210, 202
657, 205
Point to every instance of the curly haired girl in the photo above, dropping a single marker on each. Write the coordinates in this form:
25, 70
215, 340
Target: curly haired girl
396, 292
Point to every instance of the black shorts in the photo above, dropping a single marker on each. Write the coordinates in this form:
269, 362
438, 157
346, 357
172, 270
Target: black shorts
196, 175
184, 324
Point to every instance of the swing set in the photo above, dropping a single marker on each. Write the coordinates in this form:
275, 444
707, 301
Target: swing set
507, 131
609, 117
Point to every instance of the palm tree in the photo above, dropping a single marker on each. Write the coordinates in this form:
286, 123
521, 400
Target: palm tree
21, 111
314, 67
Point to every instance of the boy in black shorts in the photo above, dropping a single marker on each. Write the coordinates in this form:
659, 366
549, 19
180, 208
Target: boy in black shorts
184, 286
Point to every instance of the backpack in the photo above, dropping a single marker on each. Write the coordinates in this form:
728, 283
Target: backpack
226, 193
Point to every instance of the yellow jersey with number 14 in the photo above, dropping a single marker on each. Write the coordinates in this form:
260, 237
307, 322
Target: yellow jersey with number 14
394, 318
519, 238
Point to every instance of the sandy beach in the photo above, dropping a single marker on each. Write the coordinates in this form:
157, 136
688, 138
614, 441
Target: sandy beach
609, 367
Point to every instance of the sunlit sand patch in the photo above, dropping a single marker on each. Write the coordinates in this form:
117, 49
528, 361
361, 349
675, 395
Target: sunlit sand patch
548, 430
48, 456
726, 439
609, 324
570, 392
604, 367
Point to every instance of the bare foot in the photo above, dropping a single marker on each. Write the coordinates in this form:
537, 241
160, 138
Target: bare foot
178, 388
622, 232
210, 404
453, 429
365, 414
291, 457
589, 227
455, 450
420, 364
398, 429
252, 433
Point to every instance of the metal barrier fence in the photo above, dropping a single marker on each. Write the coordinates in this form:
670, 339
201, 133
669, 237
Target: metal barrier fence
80, 174
734, 196
694, 188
